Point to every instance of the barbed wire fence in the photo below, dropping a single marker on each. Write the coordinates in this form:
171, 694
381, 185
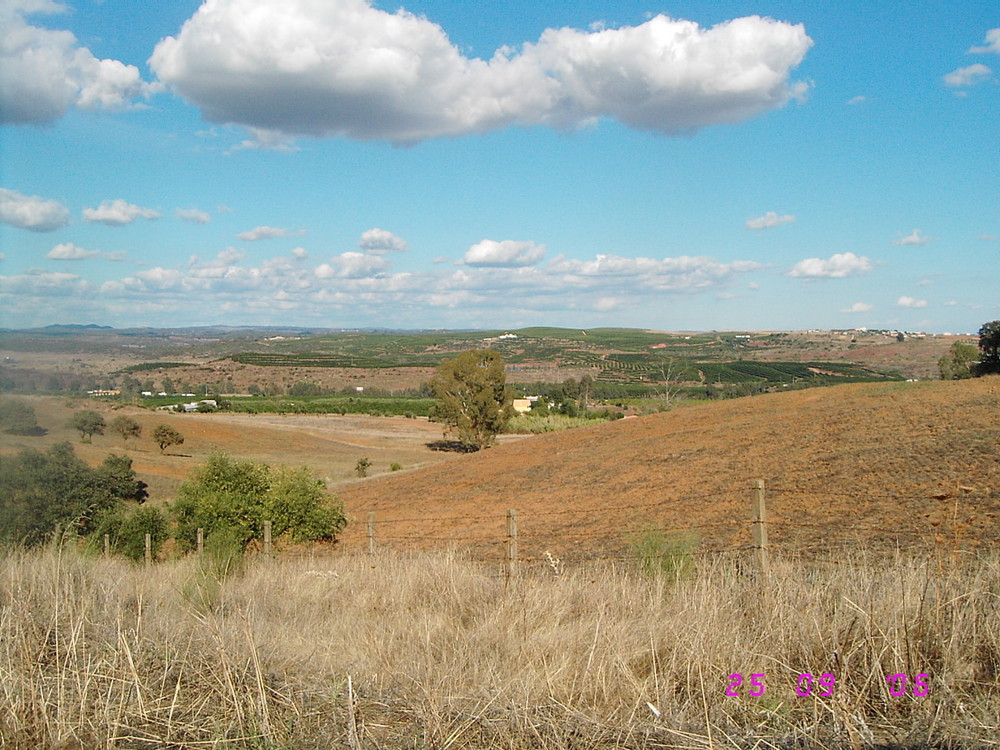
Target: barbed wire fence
515, 542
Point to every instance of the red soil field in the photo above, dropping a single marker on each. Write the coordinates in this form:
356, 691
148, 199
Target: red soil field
914, 465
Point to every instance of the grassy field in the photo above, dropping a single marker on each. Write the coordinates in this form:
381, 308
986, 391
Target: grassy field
440, 652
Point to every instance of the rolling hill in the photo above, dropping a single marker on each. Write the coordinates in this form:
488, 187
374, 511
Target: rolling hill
913, 465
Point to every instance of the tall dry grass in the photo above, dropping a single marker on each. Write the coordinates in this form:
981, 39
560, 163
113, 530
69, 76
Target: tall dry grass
443, 653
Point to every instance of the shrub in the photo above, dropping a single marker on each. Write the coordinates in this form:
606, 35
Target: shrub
236, 497
42, 491
127, 532
18, 418
656, 553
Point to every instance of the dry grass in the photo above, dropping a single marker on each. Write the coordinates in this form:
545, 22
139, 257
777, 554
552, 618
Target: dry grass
442, 653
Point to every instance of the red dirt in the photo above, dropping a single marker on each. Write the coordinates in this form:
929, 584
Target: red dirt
914, 464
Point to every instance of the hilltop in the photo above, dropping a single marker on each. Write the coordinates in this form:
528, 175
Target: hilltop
914, 464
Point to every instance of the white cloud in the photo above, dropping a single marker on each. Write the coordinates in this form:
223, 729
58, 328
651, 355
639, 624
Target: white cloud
300, 252
838, 266
682, 274
69, 251
968, 76
859, 307
31, 211
914, 238
194, 215
607, 304
118, 213
992, 43
345, 68
44, 284
506, 253
268, 233
45, 71
352, 265
905, 301
856, 100
379, 241
769, 220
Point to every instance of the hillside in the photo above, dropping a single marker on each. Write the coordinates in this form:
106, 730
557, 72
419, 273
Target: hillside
913, 464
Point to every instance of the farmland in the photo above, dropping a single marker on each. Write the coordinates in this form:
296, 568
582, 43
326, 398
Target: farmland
883, 502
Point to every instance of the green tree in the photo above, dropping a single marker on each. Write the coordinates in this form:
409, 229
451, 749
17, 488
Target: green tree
88, 423
42, 491
18, 418
959, 361
126, 427
989, 347
232, 497
164, 436
473, 398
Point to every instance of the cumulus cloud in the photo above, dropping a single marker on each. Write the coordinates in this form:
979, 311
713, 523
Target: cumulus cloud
837, 266
345, 68
38, 283
769, 220
268, 233
681, 274
352, 265
69, 251
968, 76
194, 215
992, 43
31, 211
379, 242
914, 238
46, 72
859, 307
118, 213
300, 253
506, 253
905, 301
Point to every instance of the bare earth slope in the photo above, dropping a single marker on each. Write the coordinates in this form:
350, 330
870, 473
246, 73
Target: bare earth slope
908, 464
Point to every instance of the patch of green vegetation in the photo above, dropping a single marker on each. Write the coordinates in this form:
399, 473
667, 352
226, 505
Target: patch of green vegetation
145, 366
398, 407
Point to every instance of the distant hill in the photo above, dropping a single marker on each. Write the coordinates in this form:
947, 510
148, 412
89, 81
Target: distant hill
886, 464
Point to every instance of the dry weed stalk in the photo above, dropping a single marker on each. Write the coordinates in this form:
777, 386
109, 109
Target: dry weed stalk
99, 653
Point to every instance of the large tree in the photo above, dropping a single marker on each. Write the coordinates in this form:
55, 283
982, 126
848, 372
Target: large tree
88, 423
989, 347
473, 399
40, 492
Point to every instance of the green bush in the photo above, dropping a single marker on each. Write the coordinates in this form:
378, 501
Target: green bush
42, 491
18, 418
656, 553
236, 497
127, 531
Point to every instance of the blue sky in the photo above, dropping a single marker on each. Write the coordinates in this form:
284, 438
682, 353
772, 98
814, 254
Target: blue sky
342, 163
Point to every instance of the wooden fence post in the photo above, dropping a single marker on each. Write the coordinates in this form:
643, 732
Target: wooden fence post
511, 543
267, 538
759, 524
201, 540
107, 545
371, 532
149, 550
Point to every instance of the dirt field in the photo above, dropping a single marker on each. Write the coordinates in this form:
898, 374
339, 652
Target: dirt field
329, 444
908, 464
